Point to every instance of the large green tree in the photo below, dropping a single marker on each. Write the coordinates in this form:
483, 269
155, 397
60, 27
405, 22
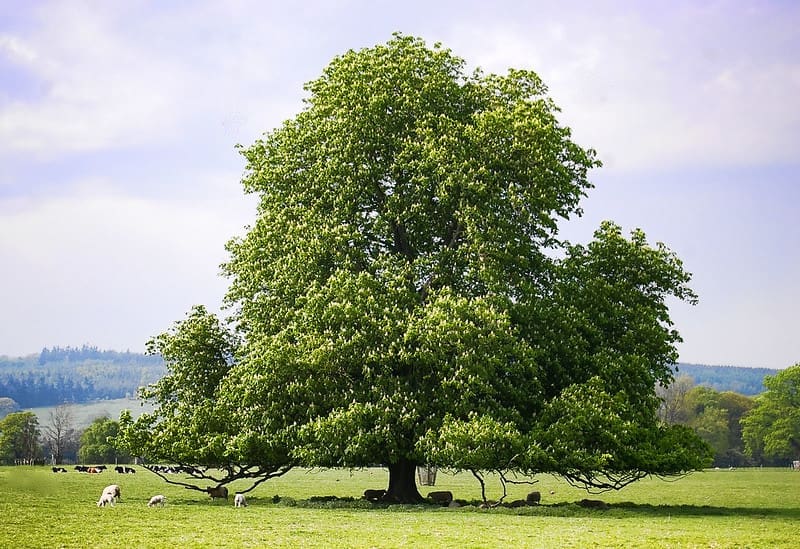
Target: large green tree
19, 438
403, 296
771, 430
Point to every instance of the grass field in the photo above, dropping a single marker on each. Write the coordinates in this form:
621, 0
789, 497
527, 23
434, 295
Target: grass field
740, 508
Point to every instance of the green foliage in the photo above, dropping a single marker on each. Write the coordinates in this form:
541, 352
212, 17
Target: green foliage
192, 423
772, 427
19, 438
97, 443
403, 296
714, 416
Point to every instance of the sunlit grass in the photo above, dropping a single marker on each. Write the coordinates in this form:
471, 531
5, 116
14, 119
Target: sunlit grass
741, 508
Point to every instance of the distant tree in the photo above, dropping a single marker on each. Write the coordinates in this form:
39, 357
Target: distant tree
715, 416
193, 424
7, 405
771, 430
19, 437
673, 409
59, 433
97, 443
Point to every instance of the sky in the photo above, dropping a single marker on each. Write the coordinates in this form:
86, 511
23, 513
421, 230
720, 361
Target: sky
120, 177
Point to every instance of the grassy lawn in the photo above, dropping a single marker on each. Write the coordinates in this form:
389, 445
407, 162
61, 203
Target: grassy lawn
740, 508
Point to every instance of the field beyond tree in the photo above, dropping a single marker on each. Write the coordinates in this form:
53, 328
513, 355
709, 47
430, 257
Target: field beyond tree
715, 508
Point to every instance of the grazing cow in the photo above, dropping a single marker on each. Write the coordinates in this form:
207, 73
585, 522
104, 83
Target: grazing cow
220, 492
533, 498
59, 470
374, 495
81, 468
239, 500
130, 470
113, 490
105, 499
159, 500
119, 469
443, 497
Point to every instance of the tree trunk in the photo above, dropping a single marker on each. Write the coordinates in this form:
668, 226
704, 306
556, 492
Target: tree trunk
403, 483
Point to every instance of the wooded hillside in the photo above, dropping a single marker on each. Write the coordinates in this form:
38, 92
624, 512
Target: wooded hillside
73, 374
745, 381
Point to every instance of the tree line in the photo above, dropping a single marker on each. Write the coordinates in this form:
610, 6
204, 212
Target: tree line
69, 374
23, 440
741, 430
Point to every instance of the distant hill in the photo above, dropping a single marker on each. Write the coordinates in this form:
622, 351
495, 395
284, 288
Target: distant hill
76, 374
745, 381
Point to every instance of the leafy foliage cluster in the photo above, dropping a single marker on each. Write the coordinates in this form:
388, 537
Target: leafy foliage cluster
403, 296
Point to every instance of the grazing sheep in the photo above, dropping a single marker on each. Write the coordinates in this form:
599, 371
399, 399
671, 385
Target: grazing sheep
220, 492
533, 498
113, 490
374, 495
159, 500
593, 504
105, 499
239, 500
516, 503
442, 497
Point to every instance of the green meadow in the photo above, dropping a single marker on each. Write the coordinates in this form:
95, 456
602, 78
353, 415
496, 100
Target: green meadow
715, 508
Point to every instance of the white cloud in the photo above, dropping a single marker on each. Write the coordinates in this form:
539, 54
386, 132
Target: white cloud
657, 92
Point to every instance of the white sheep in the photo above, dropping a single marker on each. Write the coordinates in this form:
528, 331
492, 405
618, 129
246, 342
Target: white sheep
239, 500
105, 499
113, 490
159, 500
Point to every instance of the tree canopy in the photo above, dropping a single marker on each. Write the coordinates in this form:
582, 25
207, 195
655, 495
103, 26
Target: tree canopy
403, 296
97, 443
19, 438
772, 428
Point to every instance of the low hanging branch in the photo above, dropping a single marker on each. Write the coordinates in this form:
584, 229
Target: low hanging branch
232, 472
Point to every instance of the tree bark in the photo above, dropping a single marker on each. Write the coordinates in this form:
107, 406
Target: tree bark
403, 483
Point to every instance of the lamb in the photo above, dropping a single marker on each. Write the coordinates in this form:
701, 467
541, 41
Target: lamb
105, 499
159, 500
239, 500
220, 492
113, 490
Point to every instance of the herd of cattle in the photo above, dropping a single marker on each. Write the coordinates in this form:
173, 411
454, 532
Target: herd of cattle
112, 493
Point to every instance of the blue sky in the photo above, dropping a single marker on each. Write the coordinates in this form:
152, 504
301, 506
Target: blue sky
119, 180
